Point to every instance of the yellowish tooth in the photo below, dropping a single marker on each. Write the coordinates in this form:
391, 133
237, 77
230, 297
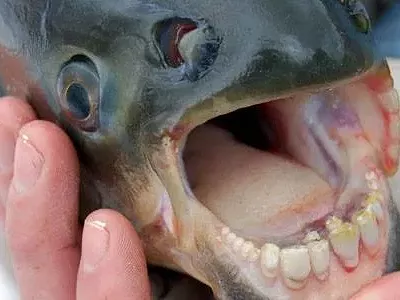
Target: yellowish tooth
311, 237
295, 266
320, 258
237, 244
369, 230
269, 259
345, 242
373, 204
333, 223
374, 196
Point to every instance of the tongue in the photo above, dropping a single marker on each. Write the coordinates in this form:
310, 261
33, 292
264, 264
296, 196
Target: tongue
254, 192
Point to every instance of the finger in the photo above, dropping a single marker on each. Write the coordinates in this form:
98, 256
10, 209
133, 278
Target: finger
113, 264
42, 208
386, 288
14, 114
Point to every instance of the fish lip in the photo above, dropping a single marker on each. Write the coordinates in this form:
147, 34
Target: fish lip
190, 119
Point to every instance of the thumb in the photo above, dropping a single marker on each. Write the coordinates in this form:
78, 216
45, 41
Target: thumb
113, 264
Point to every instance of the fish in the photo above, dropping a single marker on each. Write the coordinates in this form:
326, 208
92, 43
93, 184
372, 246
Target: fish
249, 143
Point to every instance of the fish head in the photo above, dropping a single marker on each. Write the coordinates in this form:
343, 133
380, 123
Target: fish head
248, 142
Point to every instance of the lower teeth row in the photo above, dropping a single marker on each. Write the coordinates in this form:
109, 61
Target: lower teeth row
296, 263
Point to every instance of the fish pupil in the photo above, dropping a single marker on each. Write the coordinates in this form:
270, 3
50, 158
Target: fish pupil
78, 101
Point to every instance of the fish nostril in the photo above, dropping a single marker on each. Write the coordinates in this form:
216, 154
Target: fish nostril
359, 14
185, 43
170, 35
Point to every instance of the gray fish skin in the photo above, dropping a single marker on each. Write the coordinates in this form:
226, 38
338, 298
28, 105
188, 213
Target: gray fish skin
141, 109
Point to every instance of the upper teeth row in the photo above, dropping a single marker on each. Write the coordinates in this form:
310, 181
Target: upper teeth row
297, 262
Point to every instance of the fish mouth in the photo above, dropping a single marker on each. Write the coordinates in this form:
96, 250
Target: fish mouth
299, 185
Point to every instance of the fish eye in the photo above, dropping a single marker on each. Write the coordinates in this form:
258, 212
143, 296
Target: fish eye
79, 92
359, 14
183, 42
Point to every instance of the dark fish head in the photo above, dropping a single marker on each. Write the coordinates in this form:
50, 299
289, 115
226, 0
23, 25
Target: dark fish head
248, 142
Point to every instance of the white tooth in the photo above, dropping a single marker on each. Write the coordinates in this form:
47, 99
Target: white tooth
295, 266
246, 248
371, 175
320, 258
373, 185
345, 241
254, 255
230, 238
237, 244
377, 209
225, 231
312, 236
369, 230
269, 259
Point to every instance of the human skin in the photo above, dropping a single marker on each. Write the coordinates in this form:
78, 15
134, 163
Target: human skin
39, 211
40, 217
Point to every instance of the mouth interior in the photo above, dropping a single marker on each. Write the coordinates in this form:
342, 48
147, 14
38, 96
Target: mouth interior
277, 170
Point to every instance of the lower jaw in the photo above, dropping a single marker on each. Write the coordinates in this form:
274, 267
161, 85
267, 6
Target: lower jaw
346, 269
245, 263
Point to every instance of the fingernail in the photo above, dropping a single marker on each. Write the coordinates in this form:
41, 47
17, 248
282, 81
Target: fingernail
7, 149
28, 165
95, 244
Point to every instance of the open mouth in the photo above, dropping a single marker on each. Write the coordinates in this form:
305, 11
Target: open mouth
300, 183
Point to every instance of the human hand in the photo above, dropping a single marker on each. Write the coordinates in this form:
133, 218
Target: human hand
53, 258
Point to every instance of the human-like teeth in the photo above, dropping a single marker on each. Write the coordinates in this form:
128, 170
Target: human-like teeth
254, 254
237, 244
373, 204
369, 230
230, 238
269, 259
376, 208
295, 266
345, 239
249, 252
320, 258
312, 236
225, 231
371, 175
333, 223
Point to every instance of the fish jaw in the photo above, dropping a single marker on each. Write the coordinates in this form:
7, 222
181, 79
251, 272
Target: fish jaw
220, 235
